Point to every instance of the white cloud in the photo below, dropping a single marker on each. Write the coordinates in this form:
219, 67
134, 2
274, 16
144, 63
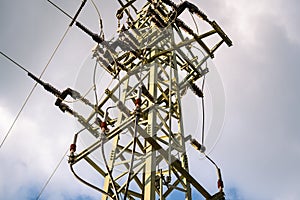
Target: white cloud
30, 155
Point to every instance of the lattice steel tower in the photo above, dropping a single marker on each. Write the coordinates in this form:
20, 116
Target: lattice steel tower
155, 59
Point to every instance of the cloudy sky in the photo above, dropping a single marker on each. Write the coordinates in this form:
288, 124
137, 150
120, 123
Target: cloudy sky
259, 147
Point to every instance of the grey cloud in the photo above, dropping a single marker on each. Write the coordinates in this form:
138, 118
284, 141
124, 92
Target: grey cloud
259, 148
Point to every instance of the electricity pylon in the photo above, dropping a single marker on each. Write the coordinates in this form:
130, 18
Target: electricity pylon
155, 60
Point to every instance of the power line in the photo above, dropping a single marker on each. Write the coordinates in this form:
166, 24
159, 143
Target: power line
60, 9
16, 118
203, 112
34, 86
13, 61
52, 174
25, 102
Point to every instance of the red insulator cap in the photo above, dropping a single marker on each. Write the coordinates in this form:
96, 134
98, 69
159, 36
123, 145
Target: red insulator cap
138, 102
220, 184
103, 125
73, 147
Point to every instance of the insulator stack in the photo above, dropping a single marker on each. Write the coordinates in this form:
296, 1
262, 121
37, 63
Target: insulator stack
196, 89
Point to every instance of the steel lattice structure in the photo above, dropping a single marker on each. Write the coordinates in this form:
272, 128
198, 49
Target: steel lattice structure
154, 58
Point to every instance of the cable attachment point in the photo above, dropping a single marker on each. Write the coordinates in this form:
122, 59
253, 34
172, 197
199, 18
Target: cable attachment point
72, 150
220, 183
197, 145
94, 36
167, 180
104, 131
103, 126
103, 134
59, 101
138, 103
72, 154
46, 86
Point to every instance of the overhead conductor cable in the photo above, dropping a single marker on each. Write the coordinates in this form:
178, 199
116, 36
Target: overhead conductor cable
34, 86
50, 59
